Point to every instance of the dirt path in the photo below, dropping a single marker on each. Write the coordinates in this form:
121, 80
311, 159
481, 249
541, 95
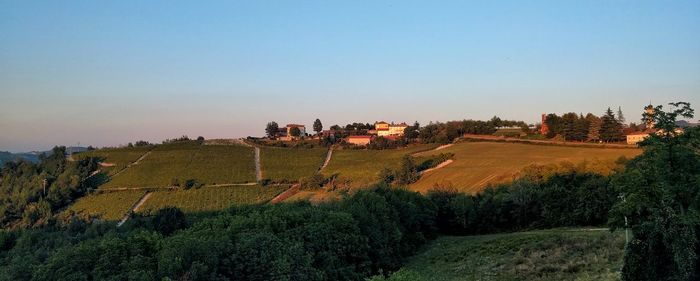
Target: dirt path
258, 170
443, 146
132, 163
328, 159
443, 164
286, 194
134, 208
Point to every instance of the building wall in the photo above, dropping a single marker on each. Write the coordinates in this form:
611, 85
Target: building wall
359, 141
634, 139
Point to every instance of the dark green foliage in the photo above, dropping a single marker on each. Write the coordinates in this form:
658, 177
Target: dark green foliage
610, 128
168, 220
295, 132
30, 193
313, 182
661, 191
408, 172
271, 129
318, 126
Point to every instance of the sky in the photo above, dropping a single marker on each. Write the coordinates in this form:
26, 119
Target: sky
107, 73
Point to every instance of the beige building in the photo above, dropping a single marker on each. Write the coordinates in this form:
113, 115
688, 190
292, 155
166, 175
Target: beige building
637, 137
285, 134
385, 129
359, 140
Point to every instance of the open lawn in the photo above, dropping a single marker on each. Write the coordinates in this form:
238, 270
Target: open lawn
362, 167
208, 164
109, 206
207, 199
118, 157
477, 164
290, 164
561, 254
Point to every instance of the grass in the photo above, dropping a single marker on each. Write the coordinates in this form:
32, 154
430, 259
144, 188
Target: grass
561, 254
361, 167
120, 157
290, 164
208, 164
207, 199
110, 206
477, 164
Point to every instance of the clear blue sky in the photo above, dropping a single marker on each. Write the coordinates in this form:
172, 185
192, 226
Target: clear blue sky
110, 72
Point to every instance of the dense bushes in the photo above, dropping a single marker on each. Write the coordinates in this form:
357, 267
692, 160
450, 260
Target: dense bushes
563, 200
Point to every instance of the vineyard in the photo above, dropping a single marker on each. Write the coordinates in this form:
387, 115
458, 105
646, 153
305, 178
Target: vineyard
208, 164
290, 164
362, 167
208, 199
109, 206
115, 159
477, 164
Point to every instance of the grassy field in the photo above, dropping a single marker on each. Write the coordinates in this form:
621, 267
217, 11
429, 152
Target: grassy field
119, 157
290, 164
361, 167
109, 206
208, 164
562, 254
207, 199
477, 164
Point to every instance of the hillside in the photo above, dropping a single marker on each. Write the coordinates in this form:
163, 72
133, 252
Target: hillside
477, 164
561, 254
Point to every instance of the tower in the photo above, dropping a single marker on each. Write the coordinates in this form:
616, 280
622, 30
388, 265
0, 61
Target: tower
544, 129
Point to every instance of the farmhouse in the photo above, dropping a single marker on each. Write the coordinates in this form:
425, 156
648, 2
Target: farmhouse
285, 134
385, 129
359, 140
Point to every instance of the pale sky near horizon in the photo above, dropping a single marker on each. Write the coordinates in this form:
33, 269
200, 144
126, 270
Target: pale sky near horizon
110, 72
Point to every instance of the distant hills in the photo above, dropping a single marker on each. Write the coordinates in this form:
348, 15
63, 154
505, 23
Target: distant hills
33, 156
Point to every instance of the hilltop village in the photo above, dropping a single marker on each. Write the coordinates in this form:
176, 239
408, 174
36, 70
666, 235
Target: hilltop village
610, 128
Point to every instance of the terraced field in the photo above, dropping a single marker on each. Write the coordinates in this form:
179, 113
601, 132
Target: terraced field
548, 255
361, 167
118, 157
290, 164
208, 199
477, 164
109, 206
208, 164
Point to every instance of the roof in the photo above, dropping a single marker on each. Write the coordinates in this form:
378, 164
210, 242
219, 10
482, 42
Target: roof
380, 122
295, 125
360, 137
399, 125
638, 133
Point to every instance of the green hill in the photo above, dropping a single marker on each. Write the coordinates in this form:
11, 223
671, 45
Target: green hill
290, 164
548, 255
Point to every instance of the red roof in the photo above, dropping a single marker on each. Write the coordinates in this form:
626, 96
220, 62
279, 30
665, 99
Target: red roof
359, 137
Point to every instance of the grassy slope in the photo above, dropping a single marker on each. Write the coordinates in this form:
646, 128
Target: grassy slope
290, 164
563, 254
120, 157
207, 199
362, 167
208, 164
480, 163
108, 205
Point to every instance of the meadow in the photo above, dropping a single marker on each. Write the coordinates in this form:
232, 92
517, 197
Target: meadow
120, 158
208, 164
110, 206
290, 164
361, 167
208, 199
478, 164
547, 255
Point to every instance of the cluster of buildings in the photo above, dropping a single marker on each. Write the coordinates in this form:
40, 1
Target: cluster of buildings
383, 129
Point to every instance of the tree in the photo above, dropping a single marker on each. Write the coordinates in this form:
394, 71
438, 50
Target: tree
660, 204
318, 127
593, 127
610, 128
408, 173
295, 132
581, 127
412, 132
555, 125
168, 220
620, 117
569, 126
272, 129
